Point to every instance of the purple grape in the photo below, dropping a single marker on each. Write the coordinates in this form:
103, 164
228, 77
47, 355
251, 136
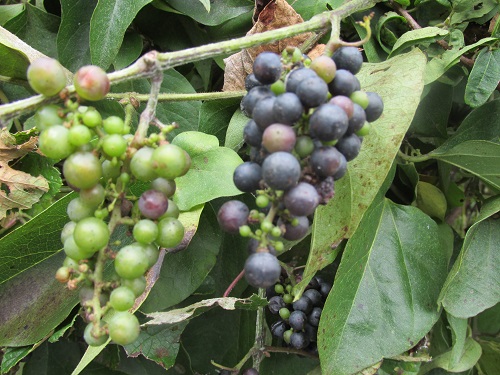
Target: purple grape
153, 204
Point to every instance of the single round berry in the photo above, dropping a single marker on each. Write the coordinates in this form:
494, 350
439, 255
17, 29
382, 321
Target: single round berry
114, 145
91, 83
251, 82
172, 210
247, 176
328, 122
281, 170
325, 161
170, 161
314, 295
47, 116
267, 67
343, 102
312, 92
314, 316
46, 76
302, 200
82, 170
113, 125
152, 253
145, 231
278, 87
170, 232
63, 274
92, 118
286, 336
304, 146
251, 99
245, 231
232, 215
262, 270
297, 320
278, 288
275, 304
349, 58
287, 108
75, 252
324, 289
303, 304
298, 340
324, 67
93, 340
67, 230
167, 187
288, 298
137, 285
93, 196
296, 76
279, 137
153, 204
263, 113
349, 146
78, 210
344, 83
91, 234
79, 135
124, 328
375, 107
284, 313
358, 119
122, 298
278, 329
54, 142
131, 261
141, 164
360, 98
364, 131
298, 231
252, 134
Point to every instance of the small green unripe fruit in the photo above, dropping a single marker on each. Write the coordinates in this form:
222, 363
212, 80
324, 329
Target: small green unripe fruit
82, 169
91, 83
124, 328
46, 76
170, 161
54, 142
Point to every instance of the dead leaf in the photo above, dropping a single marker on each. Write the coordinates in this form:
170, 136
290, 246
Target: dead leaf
17, 189
276, 14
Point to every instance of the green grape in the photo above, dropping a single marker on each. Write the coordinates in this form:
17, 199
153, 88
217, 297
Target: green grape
278, 288
82, 170
92, 118
284, 313
365, 130
91, 234
167, 187
74, 251
304, 146
63, 274
276, 232
324, 67
278, 87
67, 230
170, 232
262, 201
360, 98
114, 145
287, 335
110, 171
47, 116
145, 231
92, 340
137, 285
172, 210
79, 135
94, 196
170, 161
46, 76
245, 231
131, 261
152, 254
70, 263
266, 226
122, 298
54, 142
123, 328
113, 125
288, 297
77, 210
141, 164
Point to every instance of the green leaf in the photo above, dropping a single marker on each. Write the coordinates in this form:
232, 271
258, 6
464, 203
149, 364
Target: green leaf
196, 143
384, 291
490, 360
215, 116
14, 63
458, 336
472, 352
74, 33
37, 28
191, 311
33, 242
12, 356
184, 271
428, 34
488, 321
61, 331
234, 135
308, 9
220, 10
9, 11
382, 30
210, 177
467, 10
281, 363
400, 89
110, 20
130, 50
473, 285
483, 78
206, 4
34, 303
159, 344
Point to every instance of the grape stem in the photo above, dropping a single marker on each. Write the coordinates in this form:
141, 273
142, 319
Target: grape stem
260, 333
233, 284
413, 158
142, 68
274, 349
179, 97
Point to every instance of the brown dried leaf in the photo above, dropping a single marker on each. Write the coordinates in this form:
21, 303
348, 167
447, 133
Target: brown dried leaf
18, 189
276, 14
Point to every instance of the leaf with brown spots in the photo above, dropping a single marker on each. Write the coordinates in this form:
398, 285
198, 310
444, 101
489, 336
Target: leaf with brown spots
274, 15
19, 190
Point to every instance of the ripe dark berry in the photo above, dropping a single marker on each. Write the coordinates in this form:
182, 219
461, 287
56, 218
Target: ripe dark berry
232, 215
297, 320
344, 83
247, 176
298, 340
325, 161
153, 204
278, 329
279, 137
314, 316
343, 102
342, 170
311, 332
349, 58
375, 107
328, 122
253, 246
324, 289
262, 270
357, 120
287, 108
312, 92
267, 67
251, 82
349, 146
296, 232
263, 113
46, 76
91, 83
253, 97
314, 295
275, 304
281, 170
252, 134
303, 304
250, 371
296, 76
302, 200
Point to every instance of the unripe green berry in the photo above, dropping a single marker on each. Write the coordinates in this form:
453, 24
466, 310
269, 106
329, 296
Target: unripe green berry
92, 118
245, 231
46, 76
284, 313
113, 125
288, 297
266, 226
278, 288
91, 83
262, 201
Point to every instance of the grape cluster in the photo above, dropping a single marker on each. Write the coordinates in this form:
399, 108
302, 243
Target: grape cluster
298, 321
101, 161
308, 120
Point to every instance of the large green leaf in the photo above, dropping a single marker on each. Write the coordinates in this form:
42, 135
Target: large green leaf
490, 360
400, 89
483, 78
33, 303
130, 50
33, 242
385, 289
14, 63
234, 134
473, 284
215, 116
110, 20
74, 33
9, 11
458, 328
410, 38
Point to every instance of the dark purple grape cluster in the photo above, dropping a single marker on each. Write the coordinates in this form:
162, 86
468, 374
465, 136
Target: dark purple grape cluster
308, 120
298, 321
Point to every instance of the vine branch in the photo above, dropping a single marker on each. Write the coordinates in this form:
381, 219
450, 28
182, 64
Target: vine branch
141, 68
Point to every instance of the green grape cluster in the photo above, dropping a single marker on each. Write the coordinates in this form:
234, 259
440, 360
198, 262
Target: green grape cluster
101, 159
